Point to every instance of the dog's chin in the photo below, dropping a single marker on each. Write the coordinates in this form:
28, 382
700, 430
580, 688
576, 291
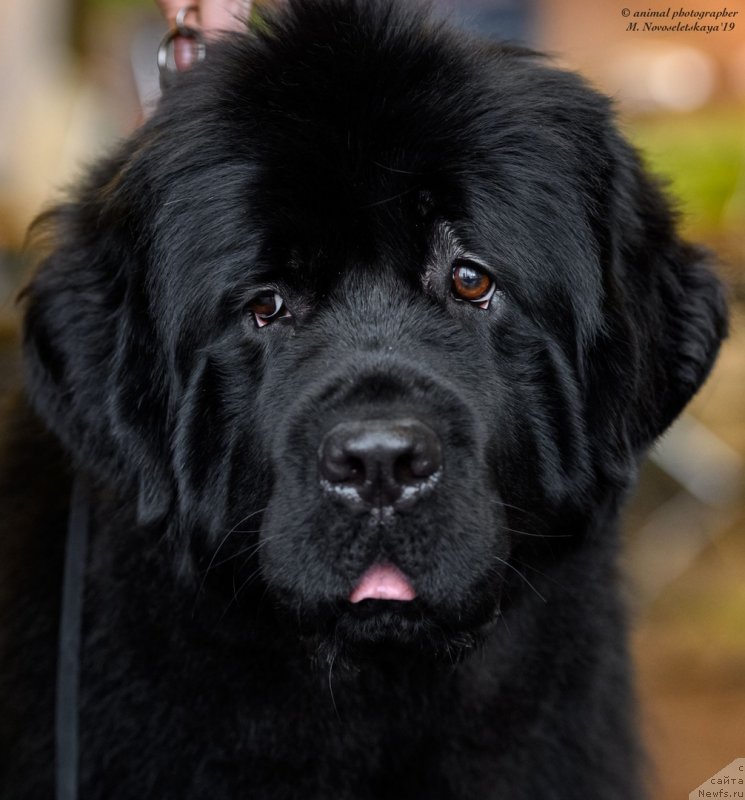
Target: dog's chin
351, 635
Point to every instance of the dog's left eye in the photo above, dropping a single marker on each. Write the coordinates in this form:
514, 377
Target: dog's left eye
472, 284
266, 307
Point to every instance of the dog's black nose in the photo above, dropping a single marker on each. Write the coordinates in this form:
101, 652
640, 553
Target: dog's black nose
379, 462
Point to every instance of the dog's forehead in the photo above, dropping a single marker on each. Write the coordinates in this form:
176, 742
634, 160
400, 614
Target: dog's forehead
354, 127
334, 131
346, 116
319, 243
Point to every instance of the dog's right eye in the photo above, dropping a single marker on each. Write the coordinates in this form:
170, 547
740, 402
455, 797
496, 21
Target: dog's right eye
266, 307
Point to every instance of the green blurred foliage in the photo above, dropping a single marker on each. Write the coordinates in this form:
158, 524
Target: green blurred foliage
701, 158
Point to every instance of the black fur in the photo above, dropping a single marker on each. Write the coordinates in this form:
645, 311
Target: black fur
346, 153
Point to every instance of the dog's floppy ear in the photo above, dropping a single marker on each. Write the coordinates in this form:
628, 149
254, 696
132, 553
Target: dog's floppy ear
693, 323
664, 299
94, 366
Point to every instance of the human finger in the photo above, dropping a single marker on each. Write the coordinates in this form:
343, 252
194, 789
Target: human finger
216, 16
170, 8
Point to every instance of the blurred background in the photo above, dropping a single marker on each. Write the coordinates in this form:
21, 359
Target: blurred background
79, 74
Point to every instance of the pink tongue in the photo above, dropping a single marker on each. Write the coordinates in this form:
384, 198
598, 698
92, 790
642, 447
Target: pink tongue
383, 582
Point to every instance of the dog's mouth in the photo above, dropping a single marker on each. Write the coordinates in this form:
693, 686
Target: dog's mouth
384, 617
383, 582
382, 607
377, 631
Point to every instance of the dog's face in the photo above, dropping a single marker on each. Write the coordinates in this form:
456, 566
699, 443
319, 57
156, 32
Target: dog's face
369, 305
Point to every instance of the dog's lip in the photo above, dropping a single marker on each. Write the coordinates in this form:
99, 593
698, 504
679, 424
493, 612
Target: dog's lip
383, 581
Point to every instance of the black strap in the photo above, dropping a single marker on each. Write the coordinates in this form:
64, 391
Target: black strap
68, 659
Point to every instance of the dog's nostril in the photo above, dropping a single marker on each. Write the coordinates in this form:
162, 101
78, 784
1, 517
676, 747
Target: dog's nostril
379, 462
421, 461
337, 465
403, 470
357, 472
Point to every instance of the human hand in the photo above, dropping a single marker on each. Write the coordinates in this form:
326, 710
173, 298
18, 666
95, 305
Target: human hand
209, 17
212, 17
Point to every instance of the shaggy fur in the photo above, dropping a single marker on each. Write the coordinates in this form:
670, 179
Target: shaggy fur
346, 155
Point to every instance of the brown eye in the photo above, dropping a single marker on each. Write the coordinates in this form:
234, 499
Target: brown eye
472, 284
266, 307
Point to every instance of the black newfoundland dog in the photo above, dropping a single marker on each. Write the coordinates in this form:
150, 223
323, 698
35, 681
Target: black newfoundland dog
355, 347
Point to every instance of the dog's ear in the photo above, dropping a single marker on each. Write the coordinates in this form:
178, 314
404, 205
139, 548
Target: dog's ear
94, 366
692, 324
665, 305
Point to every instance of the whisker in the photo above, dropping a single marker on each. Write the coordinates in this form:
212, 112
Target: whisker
506, 626
232, 530
387, 199
236, 592
248, 517
251, 549
542, 574
515, 569
394, 169
219, 547
245, 583
524, 511
331, 685
539, 535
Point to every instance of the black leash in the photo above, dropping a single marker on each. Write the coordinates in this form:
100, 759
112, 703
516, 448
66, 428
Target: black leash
68, 658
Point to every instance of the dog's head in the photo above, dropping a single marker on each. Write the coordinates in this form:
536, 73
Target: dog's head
367, 304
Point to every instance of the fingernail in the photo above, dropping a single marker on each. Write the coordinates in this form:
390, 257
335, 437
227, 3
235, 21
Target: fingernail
184, 52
